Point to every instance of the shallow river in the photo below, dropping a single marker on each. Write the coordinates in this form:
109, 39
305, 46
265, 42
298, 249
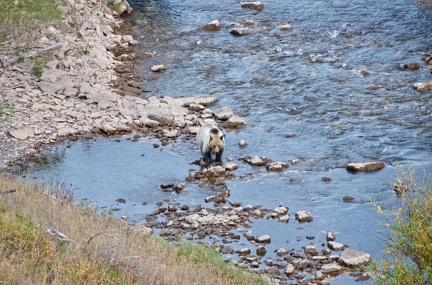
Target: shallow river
330, 91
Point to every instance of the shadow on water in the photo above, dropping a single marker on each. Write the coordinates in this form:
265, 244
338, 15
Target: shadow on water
329, 92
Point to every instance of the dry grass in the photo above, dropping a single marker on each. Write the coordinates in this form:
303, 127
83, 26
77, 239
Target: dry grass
103, 250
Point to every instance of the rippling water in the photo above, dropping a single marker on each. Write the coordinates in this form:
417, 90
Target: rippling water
335, 82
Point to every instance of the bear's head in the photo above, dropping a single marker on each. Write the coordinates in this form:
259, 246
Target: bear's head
216, 143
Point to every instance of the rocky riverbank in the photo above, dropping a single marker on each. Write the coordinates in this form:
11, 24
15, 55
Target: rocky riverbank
87, 86
82, 83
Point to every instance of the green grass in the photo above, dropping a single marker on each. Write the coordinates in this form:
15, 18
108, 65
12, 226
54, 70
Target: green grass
27, 11
408, 254
29, 255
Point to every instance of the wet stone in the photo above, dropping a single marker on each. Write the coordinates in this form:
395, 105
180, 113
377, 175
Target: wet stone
263, 239
240, 31
331, 269
348, 199
303, 216
330, 236
261, 250
325, 179
167, 185
244, 251
242, 143
351, 257
367, 166
335, 245
290, 269
257, 5
276, 166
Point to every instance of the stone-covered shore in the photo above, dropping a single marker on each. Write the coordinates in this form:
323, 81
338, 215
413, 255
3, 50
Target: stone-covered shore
84, 89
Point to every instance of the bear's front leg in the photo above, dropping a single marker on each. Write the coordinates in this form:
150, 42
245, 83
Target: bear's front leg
219, 157
208, 159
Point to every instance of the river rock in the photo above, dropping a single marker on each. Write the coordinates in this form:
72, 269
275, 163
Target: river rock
223, 113
263, 239
212, 26
276, 166
244, 251
231, 166
234, 122
257, 5
366, 166
335, 245
411, 66
311, 249
284, 218
352, 258
242, 143
331, 269
65, 131
290, 269
240, 31
285, 27
261, 250
330, 236
280, 210
158, 68
303, 216
423, 87
21, 133
201, 100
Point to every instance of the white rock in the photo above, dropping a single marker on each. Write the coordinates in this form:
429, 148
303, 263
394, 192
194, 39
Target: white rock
213, 26
335, 245
289, 269
263, 239
331, 268
257, 5
21, 133
303, 216
351, 257
234, 122
281, 210
158, 68
223, 113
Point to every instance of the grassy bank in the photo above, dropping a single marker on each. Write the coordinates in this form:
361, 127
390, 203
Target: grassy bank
46, 239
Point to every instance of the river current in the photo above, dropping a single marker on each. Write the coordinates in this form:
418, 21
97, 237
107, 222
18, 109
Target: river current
330, 91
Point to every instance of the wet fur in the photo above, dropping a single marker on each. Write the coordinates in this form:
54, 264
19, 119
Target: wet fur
211, 141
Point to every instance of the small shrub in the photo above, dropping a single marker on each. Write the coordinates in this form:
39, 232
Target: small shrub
115, 6
83, 50
408, 254
37, 69
404, 183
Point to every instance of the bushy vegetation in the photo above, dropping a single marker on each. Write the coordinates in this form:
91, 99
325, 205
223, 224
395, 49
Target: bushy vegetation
408, 254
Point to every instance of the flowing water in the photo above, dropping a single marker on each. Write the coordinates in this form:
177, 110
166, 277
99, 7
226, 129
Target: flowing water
330, 91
